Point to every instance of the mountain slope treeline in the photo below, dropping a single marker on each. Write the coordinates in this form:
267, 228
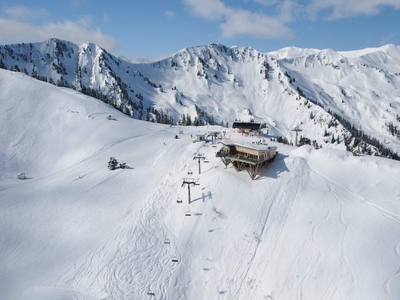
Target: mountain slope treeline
345, 100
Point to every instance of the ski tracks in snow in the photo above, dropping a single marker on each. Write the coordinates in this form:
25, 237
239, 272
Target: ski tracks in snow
208, 266
384, 212
269, 229
135, 261
391, 217
344, 261
387, 285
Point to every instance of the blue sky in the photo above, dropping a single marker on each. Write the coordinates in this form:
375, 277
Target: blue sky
154, 29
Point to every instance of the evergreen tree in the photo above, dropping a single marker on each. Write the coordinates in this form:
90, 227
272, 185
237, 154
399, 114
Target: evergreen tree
112, 164
183, 120
188, 120
304, 141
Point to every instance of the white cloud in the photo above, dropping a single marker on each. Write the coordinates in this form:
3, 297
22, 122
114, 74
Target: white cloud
242, 22
21, 12
344, 8
78, 32
267, 2
208, 9
135, 58
170, 15
235, 22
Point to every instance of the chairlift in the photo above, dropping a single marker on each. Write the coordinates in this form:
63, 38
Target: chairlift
175, 259
190, 172
150, 292
179, 200
167, 242
188, 213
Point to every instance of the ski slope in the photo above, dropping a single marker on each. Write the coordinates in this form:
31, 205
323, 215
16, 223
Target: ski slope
315, 224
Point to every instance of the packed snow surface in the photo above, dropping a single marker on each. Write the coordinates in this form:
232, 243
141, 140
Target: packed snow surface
315, 224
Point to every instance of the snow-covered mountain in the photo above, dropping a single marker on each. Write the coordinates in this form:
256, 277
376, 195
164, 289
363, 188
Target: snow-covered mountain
339, 99
315, 224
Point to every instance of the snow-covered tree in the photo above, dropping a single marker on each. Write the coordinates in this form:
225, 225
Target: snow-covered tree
112, 164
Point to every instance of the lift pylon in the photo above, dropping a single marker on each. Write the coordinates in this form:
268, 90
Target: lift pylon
189, 182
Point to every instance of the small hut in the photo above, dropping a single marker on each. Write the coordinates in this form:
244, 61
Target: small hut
200, 137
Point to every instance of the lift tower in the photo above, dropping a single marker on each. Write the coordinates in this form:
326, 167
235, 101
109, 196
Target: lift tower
199, 157
297, 129
189, 182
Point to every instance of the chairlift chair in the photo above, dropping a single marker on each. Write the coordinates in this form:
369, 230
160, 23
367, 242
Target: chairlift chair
167, 242
206, 161
150, 292
175, 259
179, 200
190, 172
188, 213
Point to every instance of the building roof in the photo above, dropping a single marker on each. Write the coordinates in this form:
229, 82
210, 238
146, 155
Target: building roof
255, 146
258, 147
246, 125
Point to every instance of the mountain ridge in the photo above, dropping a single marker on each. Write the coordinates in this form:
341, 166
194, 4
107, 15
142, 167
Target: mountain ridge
217, 84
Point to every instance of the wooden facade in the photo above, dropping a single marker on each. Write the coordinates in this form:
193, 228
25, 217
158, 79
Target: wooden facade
246, 157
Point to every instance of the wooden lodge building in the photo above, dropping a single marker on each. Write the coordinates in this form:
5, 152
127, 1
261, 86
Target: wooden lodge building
246, 156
